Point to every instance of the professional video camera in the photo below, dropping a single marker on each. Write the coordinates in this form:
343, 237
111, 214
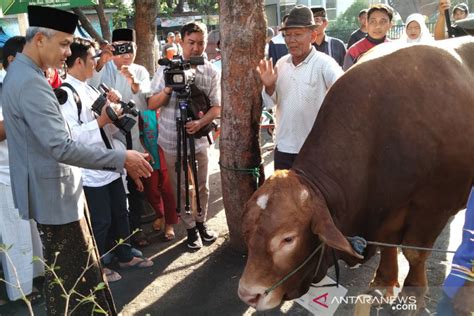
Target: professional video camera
124, 123
178, 73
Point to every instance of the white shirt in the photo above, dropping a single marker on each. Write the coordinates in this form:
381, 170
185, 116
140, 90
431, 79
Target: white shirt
208, 79
4, 167
298, 96
88, 132
111, 76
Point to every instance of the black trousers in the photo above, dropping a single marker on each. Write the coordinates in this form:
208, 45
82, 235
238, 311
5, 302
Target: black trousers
108, 211
283, 160
135, 205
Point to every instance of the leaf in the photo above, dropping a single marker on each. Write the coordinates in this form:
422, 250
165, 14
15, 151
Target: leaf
99, 286
99, 310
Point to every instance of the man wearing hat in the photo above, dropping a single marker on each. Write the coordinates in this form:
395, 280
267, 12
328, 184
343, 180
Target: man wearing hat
460, 11
297, 85
331, 46
132, 81
170, 44
45, 182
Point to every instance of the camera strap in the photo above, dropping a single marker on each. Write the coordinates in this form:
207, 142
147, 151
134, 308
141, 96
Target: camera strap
78, 101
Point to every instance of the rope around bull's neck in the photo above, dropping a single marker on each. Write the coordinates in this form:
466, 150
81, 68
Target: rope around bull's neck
289, 275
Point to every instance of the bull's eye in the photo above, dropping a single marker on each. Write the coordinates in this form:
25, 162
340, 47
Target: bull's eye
288, 239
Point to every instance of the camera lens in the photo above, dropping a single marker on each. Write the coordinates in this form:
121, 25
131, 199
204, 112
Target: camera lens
178, 78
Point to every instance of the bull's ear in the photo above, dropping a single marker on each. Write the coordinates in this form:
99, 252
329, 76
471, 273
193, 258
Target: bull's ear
323, 226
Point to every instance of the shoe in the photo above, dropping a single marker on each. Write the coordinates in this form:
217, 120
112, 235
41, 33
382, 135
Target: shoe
194, 241
136, 263
111, 275
206, 233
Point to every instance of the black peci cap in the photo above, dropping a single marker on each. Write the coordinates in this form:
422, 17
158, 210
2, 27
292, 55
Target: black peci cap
125, 35
52, 18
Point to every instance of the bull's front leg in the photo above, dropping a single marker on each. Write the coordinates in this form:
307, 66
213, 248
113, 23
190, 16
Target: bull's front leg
416, 284
386, 276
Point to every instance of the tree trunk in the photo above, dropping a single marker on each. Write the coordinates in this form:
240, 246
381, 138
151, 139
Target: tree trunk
86, 24
104, 22
145, 26
242, 36
179, 7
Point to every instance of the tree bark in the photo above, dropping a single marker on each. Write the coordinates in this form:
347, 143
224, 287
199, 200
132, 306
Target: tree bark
86, 24
179, 7
104, 22
243, 30
145, 27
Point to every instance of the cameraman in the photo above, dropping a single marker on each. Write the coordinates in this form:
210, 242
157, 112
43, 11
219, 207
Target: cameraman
208, 80
116, 68
104, 190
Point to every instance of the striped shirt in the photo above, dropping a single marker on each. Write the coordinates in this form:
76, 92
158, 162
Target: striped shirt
207, 79
299, 93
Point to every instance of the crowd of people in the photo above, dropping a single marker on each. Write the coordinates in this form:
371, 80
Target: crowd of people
96, 140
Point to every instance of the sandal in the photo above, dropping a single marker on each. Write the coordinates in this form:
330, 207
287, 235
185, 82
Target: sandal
140, 263
169, 233
111, 276
157, 224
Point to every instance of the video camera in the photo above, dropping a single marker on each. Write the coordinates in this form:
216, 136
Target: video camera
178, 73
124, 123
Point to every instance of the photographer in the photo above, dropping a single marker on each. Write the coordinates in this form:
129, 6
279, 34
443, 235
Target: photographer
116, 68
104, 190
207, 78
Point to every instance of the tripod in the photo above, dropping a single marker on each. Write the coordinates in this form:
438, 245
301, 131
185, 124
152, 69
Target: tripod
184, 159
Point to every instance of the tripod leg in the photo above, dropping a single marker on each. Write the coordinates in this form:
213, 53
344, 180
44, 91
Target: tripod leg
179, 124
187, 207
192, 158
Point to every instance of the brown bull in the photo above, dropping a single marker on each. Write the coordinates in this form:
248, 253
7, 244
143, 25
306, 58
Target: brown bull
390, 158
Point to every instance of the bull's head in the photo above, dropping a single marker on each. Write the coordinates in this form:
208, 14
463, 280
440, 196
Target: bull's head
283, 222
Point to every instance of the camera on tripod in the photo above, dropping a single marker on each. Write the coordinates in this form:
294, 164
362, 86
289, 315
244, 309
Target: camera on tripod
124, 123
178, 73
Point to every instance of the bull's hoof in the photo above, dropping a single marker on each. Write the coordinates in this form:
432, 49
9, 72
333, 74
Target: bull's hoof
387, 289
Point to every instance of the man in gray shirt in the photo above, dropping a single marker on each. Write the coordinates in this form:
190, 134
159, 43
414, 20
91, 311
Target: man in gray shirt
46, 185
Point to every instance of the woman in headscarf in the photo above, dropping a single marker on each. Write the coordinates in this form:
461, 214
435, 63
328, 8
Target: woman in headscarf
416, 30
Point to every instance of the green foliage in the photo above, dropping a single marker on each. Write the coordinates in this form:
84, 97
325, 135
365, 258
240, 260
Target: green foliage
347, 22
119, 19
206, 7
